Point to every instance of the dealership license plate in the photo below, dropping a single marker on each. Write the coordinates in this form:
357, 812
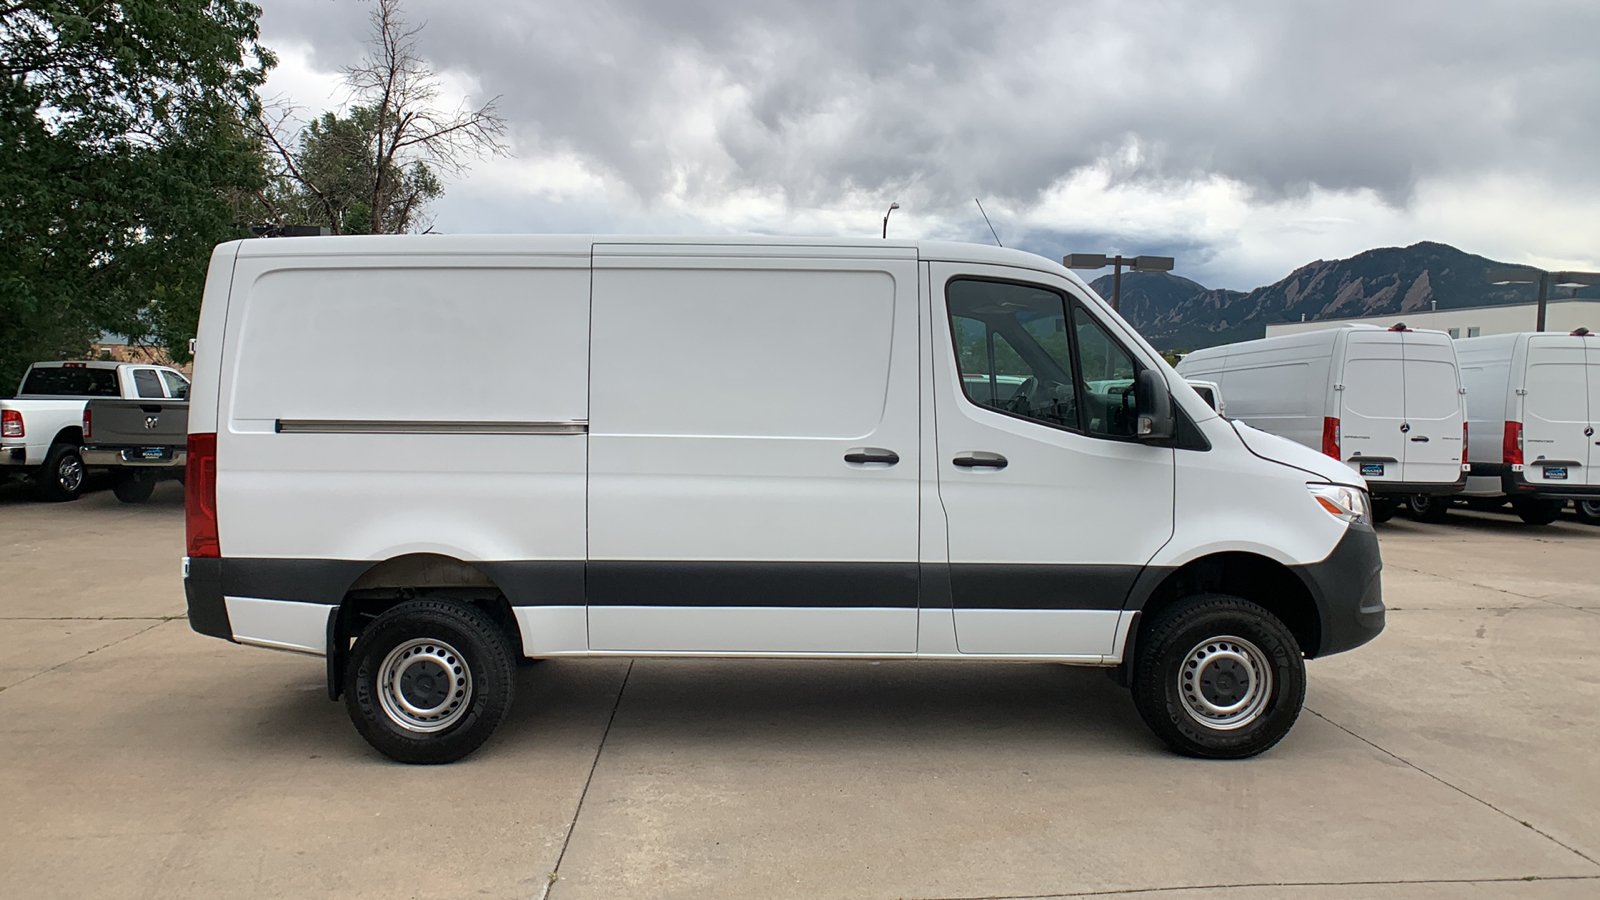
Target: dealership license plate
1555, 473
1370, 470
147, 453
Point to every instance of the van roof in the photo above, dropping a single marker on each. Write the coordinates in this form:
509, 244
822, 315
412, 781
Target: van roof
584, 244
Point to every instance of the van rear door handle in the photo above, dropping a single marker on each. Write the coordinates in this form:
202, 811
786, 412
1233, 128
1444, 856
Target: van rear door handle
861, 456
1420, 440
979, 459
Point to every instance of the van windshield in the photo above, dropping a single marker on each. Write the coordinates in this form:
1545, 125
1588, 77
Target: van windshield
60, 381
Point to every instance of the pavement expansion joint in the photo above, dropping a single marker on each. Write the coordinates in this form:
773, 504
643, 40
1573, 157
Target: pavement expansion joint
555, 871
89, 618
153, 625
1487, 587
1166, 889
1463, 792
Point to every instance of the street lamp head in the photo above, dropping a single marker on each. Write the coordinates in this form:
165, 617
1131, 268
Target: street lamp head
1575, 279
895, 205
1152, 263
1085, 261
1513, 276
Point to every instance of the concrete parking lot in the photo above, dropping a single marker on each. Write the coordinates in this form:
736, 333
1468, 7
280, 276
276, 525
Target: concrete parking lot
1456, 756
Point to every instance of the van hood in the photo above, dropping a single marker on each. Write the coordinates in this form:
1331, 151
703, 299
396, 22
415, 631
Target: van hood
1286, 452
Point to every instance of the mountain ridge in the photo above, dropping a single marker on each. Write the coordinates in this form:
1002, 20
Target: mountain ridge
1382, 281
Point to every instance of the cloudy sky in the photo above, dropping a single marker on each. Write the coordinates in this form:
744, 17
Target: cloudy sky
1244, 138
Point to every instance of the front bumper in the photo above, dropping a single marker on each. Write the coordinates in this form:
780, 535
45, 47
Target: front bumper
1348, 591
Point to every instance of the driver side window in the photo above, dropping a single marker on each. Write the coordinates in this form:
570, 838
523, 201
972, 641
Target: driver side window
1013, 351
1109, 374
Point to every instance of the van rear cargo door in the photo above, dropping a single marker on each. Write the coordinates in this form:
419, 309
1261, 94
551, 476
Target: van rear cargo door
1372, 406
1434, 413
1555, 411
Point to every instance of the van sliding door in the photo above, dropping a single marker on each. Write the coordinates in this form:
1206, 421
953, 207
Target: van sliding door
754, 458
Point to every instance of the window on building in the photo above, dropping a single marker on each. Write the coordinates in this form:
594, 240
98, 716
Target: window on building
1455, 333
1473, 330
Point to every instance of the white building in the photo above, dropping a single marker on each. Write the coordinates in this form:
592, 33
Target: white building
1560, 316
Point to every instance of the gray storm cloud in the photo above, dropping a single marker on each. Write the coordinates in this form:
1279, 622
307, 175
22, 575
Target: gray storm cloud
820, 99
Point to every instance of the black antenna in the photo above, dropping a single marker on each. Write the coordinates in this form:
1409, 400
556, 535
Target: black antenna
988, 223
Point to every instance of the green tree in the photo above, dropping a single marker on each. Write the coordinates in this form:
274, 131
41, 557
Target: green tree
124, 158
374, 169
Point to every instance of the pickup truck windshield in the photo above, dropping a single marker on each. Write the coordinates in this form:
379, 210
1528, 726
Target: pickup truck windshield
59, 381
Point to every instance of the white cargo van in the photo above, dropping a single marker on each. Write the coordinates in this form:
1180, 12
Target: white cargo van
423, 457
1385, 401
1534, 404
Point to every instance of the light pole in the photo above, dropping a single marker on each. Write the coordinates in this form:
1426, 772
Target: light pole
892, 207
1135, 263
1544, 280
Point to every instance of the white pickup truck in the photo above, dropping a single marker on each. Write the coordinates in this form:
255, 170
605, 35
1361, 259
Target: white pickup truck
41, 430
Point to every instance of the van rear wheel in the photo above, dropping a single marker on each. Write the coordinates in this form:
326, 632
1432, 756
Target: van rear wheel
1588, 511
1218, 677
1534, 511
429, 681
1428, 508
134, 487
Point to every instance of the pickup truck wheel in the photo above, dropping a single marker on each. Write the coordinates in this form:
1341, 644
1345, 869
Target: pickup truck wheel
133, 487
1588, 511
1428, 508
429, 681
1219, 677
62, 476
1534, 511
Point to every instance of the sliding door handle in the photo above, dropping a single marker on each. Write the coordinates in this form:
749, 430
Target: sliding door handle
980, 459
861, 456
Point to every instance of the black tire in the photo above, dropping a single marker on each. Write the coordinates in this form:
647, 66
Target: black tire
1534, 511
1588, 511
1429, 508
439, 634
1232, 632
133, 487
1382, 509
63, 476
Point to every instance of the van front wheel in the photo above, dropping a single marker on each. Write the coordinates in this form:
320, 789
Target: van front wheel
429, 680
1219, 677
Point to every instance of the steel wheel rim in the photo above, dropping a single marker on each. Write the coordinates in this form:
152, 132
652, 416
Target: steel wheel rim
424, 685
1225, 682
69, 473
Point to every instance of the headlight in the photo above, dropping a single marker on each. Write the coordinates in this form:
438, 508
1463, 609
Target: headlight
1343, 502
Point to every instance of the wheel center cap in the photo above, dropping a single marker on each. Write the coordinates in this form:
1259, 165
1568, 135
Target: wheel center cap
424, 685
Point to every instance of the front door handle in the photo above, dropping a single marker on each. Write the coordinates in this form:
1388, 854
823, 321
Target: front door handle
980, 459
861, 456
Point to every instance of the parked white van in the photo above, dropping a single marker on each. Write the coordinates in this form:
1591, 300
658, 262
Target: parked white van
1386, 401
425, 456
1534, 404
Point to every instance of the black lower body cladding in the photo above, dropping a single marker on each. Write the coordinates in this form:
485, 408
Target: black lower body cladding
1348, 591
202, 587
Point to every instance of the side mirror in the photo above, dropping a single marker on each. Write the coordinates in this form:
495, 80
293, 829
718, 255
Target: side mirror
1155, 407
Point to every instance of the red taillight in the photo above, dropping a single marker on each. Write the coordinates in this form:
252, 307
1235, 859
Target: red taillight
11, 423
200, 496
1511, 450
88, 425
1330, 436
